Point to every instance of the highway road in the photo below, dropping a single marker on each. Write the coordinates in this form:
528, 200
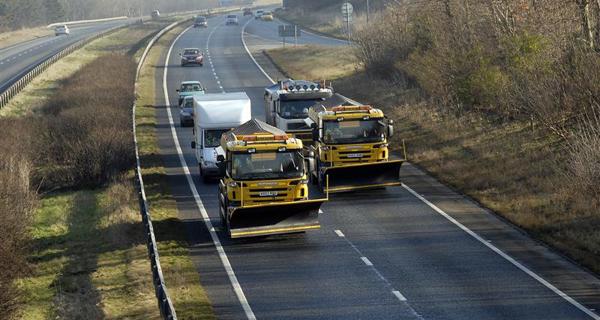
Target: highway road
17, 60
420, 251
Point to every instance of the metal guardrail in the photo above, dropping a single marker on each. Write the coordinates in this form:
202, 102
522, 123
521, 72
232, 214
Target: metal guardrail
165, 303
20, 84
69, 23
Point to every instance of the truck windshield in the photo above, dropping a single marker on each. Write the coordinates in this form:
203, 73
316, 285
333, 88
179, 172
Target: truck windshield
212, 138
296, 109
267, 165
353, 131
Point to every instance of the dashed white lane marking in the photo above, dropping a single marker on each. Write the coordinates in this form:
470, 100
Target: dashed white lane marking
504, 255
212, 65
383, 279
367, 261
399, 295
237, 288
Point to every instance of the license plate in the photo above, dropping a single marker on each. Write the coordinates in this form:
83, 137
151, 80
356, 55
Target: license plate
355, 155
268, 193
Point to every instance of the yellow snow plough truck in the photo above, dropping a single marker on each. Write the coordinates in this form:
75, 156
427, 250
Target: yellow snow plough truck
351, 149
264, 188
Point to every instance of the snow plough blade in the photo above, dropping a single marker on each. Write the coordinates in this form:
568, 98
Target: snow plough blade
362, 176
274, 218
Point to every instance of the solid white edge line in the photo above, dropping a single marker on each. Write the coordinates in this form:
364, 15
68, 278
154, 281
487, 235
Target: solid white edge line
505, 256
367, 261
251, 56
399, 295
461, 226
237, 288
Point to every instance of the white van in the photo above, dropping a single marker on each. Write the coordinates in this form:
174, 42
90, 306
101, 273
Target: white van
215, 114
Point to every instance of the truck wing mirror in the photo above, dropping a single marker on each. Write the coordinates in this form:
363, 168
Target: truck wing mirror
315, 134
390, 130
220, 158
193, 144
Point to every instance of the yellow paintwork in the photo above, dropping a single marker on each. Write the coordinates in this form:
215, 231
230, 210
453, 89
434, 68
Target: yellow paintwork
339, 154
247, 193
254, 233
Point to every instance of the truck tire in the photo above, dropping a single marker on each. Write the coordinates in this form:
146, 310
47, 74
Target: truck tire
205, 178
223, 210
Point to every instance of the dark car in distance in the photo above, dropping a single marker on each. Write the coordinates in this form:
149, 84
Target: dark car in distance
200, 22
192, 56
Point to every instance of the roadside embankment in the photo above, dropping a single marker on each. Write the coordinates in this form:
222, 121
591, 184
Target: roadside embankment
74, 239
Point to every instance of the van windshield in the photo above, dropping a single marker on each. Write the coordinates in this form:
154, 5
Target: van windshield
212, 138
187, 87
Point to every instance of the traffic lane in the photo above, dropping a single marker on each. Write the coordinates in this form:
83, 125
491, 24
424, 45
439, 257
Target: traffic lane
202, 251
578, 283
235, 69
307, 276
269, 30
443, 272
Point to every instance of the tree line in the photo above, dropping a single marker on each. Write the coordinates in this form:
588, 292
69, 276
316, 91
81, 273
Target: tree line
507, 60
16, 14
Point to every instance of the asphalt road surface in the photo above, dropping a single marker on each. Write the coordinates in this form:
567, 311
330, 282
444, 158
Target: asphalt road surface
420, 251
17, 60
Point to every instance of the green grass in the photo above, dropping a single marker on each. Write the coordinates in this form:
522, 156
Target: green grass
88, 258
181, 276
509, 167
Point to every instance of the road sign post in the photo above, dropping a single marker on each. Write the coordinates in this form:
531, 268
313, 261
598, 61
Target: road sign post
289, 31
347, 10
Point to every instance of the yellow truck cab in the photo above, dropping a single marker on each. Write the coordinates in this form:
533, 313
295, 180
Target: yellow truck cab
264, 187
351, 148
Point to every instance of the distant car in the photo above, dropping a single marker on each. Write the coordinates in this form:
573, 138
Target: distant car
62, 30
200, 22
186, 111
231, 19
258, 14
192, 56
267, 16
247, 12
155, 14
189, 89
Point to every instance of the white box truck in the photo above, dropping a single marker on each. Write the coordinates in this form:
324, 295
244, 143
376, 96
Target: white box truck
215, 114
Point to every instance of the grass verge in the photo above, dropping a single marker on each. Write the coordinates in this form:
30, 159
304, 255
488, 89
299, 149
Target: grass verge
89, 259
10, 38
182, 279
511, 168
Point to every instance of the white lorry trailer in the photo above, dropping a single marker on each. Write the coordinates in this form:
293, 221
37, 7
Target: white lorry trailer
215, 114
